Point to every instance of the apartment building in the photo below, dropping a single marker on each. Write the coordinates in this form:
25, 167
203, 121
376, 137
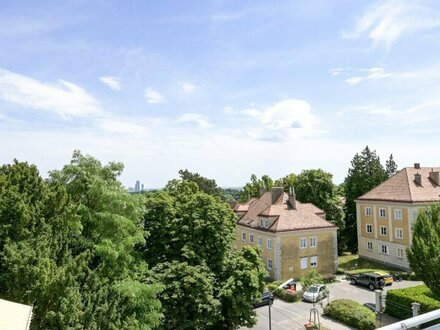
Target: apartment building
294, 237
386, 214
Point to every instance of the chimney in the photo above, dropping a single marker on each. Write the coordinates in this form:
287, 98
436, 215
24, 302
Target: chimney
276, 193
292, 196
435, 176
417, 166
418, 178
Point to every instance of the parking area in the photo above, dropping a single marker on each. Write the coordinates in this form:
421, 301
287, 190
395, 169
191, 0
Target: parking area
288, 316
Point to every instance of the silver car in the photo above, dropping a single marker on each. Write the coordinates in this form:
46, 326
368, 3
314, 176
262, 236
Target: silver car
315, 293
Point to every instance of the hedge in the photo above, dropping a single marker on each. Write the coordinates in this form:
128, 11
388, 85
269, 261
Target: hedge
285, 295
351, 313
398, 302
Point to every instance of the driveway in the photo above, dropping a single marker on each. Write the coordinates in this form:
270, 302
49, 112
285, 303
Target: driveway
290, 316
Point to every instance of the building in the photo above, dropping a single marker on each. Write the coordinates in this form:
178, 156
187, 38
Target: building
14, 316
386, 214
294, 237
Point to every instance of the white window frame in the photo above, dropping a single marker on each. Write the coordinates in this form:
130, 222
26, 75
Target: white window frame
251, 238
370, 246
384, 213
400, 253
243, 236
399, 233
368, 211
383, 231
269, 244
398, 214
303, 262
260, 241
313, 240
370, 227
269, 263
314, 261
384, 249
303, 242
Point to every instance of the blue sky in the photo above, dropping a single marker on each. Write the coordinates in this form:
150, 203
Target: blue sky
224, 88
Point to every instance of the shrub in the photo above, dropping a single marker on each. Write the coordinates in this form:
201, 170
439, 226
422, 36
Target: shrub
399, 301
312, 277
351, 313
329, 278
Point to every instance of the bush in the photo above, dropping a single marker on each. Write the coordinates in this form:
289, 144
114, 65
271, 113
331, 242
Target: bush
329, 278
312, 277
399, 301
351, 313
286, 295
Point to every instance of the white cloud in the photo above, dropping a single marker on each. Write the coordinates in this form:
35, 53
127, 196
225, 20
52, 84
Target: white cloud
65, 99
200, 120
112, 82
387, 21
120, 126
153, 97
379, 73
187, 87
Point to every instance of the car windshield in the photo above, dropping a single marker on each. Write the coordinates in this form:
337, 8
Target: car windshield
312, 289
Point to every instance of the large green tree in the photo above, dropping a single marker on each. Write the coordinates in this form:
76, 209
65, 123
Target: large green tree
424, 252
252, 188
190, 247
366, 173
390, 166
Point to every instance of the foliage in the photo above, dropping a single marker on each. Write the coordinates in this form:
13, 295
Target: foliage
286, 295
312, 277
209, 186
68, 247
231, 194
329, 278
390, 166
351, 263
399, 301
287, 182
365, 173
252, 189
424, 253
351, 313
190, 237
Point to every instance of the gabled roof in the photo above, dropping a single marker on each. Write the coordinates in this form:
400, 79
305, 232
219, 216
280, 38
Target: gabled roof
285, 216
402, 187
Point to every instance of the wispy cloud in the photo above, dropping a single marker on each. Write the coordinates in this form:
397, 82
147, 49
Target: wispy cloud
387, 21
199, 119
65, 99
187, 87
112, 82
376, 73
120, 126
153, 97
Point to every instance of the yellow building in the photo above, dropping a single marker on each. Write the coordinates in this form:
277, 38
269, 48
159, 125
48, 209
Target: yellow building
294, 237
386, 214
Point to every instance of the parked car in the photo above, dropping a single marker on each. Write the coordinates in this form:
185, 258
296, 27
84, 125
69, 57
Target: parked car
315, 293
266, 297
387, 277
371, 306
371, 280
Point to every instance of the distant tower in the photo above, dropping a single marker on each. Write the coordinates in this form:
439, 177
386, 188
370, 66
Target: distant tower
137, 186
142, 187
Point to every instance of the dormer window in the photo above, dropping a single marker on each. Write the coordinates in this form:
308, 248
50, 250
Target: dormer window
264, 223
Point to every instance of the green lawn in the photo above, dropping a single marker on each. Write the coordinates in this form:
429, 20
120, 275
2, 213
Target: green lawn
351, 263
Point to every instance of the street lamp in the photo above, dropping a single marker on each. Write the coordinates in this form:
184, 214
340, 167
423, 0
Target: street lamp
270, 295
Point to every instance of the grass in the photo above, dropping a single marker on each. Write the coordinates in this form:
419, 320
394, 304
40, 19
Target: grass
352, 264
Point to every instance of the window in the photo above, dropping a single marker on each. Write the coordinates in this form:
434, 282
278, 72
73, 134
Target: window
313, 242
399, 252
399, 233
303, 263
251, 238
368, 211
398, 214
384, 249
382, 213
243, 236
370, 246
260, 241
269, 244
269, 263
369, 229
303, 242
264, 223
314, 261
383, 231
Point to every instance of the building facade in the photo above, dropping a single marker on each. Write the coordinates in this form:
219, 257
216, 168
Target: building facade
385, 215
294, 238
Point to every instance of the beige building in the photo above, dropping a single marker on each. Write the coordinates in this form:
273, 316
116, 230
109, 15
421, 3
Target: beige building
294, 237
386, 214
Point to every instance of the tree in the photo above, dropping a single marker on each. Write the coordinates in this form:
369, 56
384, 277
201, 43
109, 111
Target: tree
365, 173
390, 166
190, 237
424, 252
286, 182
206, 185
252, 189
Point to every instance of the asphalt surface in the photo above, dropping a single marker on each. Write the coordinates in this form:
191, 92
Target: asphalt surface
288, 316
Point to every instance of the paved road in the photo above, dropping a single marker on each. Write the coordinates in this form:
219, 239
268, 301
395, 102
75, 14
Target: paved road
292, 316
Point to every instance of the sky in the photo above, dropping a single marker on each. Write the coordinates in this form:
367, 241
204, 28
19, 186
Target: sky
223, 88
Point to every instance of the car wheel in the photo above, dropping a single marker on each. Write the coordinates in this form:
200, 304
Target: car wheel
353, 281
371, 287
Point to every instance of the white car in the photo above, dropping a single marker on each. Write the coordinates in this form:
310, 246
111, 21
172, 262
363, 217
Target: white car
315, 293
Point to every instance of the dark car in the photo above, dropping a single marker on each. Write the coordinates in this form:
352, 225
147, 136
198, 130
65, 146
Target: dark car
265, 298
370, 306
370, 280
